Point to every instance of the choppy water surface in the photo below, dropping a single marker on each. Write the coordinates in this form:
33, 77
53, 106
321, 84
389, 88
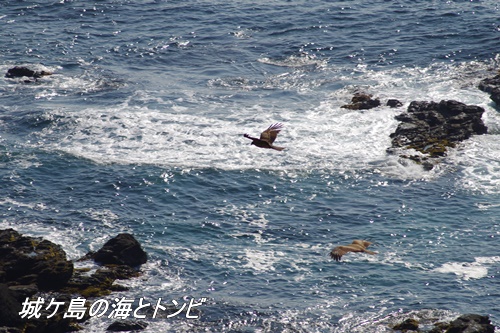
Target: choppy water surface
140, 130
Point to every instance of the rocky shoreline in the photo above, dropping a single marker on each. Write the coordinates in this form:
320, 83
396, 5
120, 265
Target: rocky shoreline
430, 128
467, 323
31, 268
427, 129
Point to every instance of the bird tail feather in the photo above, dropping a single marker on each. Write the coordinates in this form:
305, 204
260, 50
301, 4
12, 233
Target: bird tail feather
370, 252
278, 148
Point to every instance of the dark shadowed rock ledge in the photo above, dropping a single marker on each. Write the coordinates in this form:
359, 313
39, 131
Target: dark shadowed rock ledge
467, 323
491, 86
32, 267
431, 128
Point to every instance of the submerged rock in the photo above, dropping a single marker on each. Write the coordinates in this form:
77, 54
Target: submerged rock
431, 128
362, 101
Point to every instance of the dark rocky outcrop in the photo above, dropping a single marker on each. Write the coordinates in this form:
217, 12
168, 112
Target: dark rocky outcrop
20, 71
471, 323
30, 267
362, 101
431, 128
27, 261
394, 103
120, 257
467, 323
407, 325
491, 86
123, 249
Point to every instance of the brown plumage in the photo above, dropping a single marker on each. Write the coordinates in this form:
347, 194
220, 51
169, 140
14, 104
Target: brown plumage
267, 137
356, 246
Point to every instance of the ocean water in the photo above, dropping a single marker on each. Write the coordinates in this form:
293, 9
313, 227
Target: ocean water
140, 130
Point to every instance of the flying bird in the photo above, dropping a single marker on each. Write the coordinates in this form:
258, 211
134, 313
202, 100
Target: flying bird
356, 246
267, 137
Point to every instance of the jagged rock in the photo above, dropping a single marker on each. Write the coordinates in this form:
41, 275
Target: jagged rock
127, 325
20, 71
439, 327
407, 325
362, 101
29, 265
431, 127
491, 86
27, 260
394, 103
120, 256
123, 249
471, 323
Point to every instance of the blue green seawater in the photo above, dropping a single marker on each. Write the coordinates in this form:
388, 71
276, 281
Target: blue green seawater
140, 130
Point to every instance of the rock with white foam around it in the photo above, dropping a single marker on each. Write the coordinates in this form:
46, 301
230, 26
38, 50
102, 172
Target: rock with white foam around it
491, 86
431, 128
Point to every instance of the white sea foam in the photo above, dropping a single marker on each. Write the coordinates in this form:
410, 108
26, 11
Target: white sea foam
468, 270
204, 134
304, 59
139, 135
262, 261
465, 271
106, 216
480, 159
13, 204
380, 321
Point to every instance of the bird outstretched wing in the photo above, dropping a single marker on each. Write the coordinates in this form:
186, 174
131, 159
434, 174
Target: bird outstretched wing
357, 245
361, 242
271, 132
339, 251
